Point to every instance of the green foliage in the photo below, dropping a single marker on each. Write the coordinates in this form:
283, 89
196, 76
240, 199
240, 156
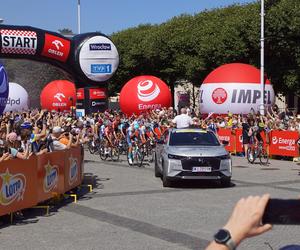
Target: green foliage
189, 47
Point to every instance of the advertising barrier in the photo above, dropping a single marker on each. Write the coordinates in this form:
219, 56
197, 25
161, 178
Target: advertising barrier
227, 135
282, 143
25, 183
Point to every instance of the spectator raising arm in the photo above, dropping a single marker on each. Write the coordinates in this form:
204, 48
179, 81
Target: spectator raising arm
245, 222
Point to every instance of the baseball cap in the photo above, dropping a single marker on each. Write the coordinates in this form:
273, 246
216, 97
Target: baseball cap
57, 130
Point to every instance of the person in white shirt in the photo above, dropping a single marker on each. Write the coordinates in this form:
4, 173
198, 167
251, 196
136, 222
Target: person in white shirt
182, 120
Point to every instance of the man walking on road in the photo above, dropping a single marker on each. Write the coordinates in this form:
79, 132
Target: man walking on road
182, 120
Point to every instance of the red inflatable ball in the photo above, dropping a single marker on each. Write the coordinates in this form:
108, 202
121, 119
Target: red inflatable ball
58, 95
234, 88
144, 93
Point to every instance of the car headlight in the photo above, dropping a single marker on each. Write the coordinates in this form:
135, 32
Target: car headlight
225, 164
225, 157
176, 157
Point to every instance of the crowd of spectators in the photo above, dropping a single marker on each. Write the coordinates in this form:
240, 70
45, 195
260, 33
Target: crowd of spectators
38, 131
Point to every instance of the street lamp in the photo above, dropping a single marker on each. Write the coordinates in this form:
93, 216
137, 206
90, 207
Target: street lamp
262, 59
78, 16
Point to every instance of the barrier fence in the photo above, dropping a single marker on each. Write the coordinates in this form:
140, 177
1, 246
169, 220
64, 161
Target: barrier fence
281, 143
26, 183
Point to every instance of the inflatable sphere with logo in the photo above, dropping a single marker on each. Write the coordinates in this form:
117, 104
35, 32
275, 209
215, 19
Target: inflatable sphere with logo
234, 88
3, 88
58, 95
17, 98
144, 93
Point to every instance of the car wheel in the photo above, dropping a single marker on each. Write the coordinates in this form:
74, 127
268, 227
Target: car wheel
165, 180
157, 172
226, 182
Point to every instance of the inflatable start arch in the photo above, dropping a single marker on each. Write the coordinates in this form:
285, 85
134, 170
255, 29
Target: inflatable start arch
90, 58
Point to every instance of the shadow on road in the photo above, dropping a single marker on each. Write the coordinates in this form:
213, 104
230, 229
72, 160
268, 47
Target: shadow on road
203, 184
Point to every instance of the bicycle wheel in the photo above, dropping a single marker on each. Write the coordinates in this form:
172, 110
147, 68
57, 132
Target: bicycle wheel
140, 157
114, 154
91, 147
250, 155
264, 157
102, 154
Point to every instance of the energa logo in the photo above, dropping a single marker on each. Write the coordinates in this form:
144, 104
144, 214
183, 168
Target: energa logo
147, 90
12, 187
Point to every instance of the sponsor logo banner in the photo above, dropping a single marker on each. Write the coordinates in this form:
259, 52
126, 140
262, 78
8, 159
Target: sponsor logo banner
56, 47
100, 46
12, 187
80, 94
100, 68
147, 91
51, 177
284, 143
97, 93
73, 171
18, 42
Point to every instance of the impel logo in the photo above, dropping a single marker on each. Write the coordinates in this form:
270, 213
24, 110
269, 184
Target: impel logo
73, 172
274, 140
51, 177
147, 90
56, 47
58, 96
219, 95
100, 46
12, 187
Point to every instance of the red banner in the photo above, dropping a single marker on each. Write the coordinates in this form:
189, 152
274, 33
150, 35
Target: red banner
80, 94
97, 93
226, 135
284, 143
239, 140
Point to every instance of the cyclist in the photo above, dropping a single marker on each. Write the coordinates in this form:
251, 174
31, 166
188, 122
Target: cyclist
108, 135
133, 133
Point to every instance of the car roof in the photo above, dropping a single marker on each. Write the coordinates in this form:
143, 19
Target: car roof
191, 130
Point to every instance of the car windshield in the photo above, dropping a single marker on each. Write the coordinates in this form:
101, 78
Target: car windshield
187, 137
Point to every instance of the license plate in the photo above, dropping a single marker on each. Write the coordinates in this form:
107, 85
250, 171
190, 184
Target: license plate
201, 169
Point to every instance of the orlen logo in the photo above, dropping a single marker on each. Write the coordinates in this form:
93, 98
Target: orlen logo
59, 96
73, 172
56, 47
147, 91
51, 177
100, 46
12, 188
219, 95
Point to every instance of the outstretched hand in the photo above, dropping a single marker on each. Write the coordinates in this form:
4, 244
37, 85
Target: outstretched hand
246, 219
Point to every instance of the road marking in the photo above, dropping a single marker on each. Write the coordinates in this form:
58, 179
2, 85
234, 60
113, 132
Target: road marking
148, 229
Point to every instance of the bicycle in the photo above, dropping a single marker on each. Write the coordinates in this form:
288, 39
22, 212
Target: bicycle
137, 155
110, 151
93, 145
257, 151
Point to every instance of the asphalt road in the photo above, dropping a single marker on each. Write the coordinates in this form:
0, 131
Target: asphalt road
129, 209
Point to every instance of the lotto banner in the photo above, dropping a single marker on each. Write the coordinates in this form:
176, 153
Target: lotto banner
284, 143
226, 135
18, 183
73, 171
50, 172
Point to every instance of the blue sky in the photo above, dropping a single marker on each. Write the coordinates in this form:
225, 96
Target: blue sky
107, 16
